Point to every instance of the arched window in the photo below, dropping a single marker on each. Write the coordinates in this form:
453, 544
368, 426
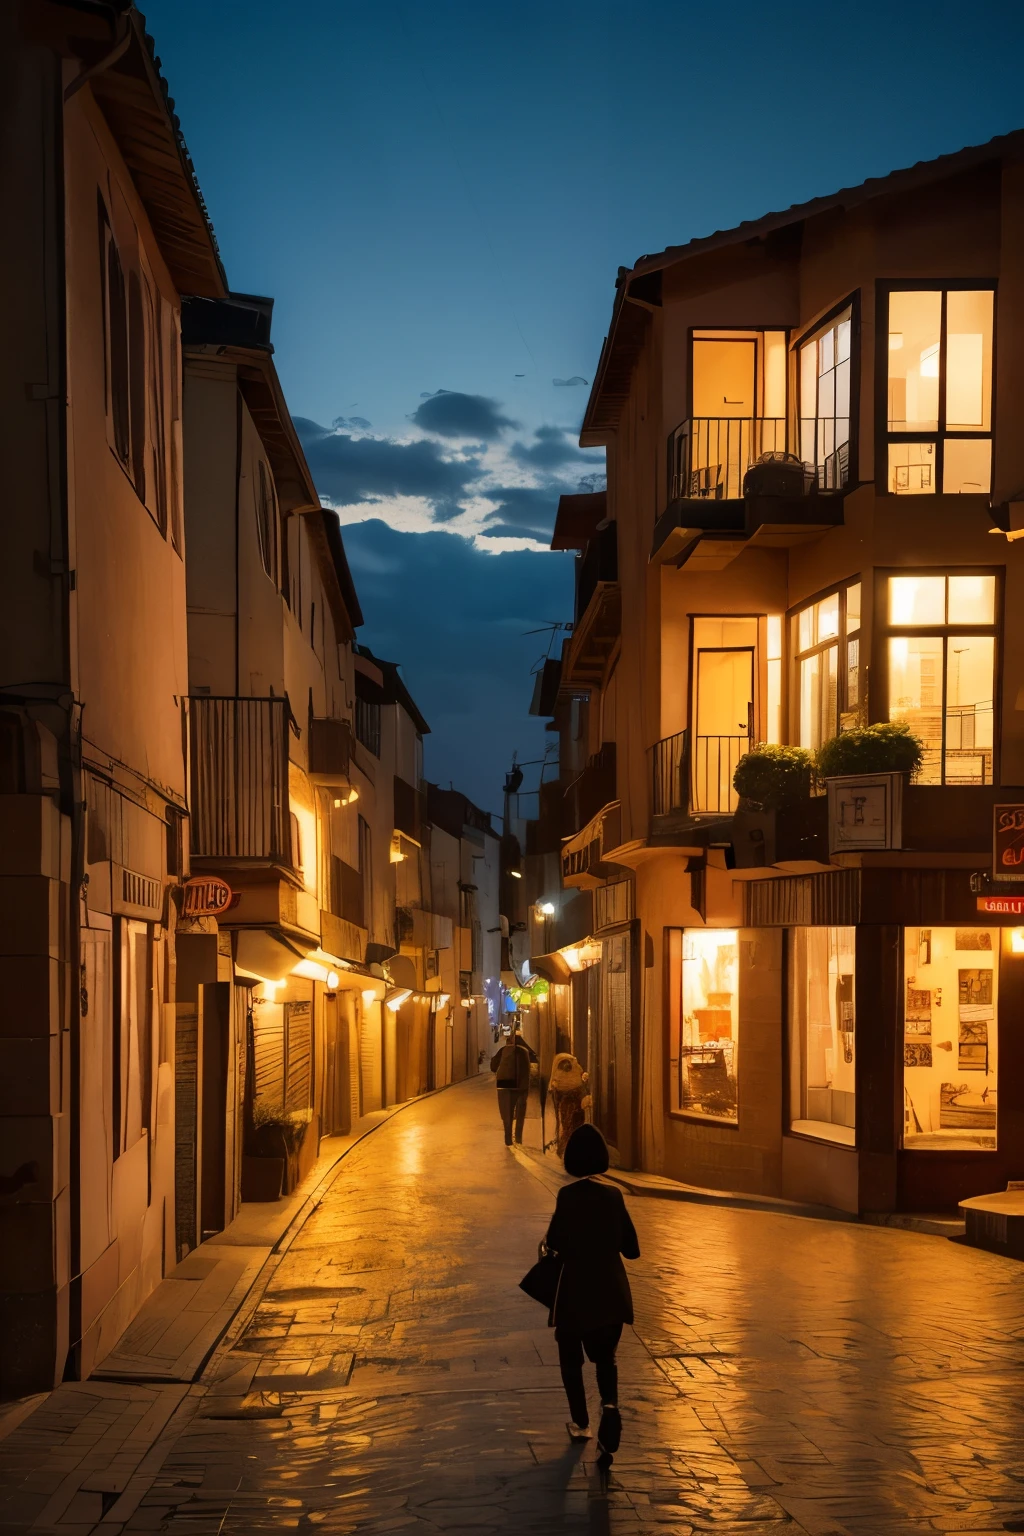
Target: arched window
266, 523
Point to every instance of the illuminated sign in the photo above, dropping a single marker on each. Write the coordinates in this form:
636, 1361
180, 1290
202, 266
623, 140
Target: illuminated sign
1008, 906
206, 896
1008, 842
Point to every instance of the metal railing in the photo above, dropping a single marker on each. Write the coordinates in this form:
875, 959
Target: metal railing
238, 778
668, 774
713, 761
819, 448
709, 455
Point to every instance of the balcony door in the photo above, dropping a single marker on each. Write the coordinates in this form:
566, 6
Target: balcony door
724, 376
723, 723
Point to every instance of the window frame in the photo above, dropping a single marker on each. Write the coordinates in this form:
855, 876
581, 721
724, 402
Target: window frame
884, 289
800, 339
672, 935
884, 631
841, 641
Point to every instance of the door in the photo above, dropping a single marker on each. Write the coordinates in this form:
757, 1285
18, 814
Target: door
97, 1099
724, 383
723, 724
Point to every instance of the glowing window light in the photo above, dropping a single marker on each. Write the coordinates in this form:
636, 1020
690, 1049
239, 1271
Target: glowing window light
1017, 941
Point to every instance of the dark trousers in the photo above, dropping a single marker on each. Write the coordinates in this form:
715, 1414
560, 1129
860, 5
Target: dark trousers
600, 1347
512, 1104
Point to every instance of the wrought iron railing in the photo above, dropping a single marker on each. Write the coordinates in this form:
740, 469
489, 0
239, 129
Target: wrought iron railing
238, 778
713, 761
709, 455
668, 774
825, 446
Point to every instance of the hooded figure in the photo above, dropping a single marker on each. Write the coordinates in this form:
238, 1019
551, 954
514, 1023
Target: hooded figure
591, 1232
569, 1089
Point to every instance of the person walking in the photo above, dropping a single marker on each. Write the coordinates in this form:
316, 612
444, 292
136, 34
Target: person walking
590, 1232
511, 1067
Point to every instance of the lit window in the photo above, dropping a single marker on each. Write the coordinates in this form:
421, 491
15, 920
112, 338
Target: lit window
941, 672
827, 647
950, 1039
821, 1033
703, 968
825, 365
939, 394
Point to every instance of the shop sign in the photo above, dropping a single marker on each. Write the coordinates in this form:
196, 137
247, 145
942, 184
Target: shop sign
1002, 906
206, 896
1008, 842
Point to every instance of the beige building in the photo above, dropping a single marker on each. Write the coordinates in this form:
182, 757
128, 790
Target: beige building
111, 231
814, 483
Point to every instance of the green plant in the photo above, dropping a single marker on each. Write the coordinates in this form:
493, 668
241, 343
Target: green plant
290, 1123
889, 747
770, 777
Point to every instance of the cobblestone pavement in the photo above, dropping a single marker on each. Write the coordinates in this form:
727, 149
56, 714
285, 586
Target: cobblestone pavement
785, 1375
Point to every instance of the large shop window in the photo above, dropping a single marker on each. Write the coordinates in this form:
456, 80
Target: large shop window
950, 1039
825, 402
826, 644
941, 675
703, 969
939, 396
822, 1062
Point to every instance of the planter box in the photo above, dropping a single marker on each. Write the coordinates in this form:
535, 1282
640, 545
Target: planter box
865, 811
262, 1178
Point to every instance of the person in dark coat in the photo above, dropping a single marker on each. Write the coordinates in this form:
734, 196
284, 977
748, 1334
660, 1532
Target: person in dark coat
591, 1231
511, 1067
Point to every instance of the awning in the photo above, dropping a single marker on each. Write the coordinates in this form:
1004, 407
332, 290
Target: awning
552, 967
264, 955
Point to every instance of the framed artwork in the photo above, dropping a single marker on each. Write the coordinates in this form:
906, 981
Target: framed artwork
975, 986
917, 1053
918, 1018
973, 938
924, 947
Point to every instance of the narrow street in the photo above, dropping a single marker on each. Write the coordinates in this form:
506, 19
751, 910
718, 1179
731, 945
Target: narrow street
785, 1374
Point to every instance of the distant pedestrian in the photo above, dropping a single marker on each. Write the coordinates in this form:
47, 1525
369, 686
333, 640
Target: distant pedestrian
590, 1232
511, 1067
569, 1087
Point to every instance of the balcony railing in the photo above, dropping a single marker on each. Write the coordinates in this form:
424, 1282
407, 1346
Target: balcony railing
590, 790
819, 448
713, 761
668, 774
709, 455
238, 773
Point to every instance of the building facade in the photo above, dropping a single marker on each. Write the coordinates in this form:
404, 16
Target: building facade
814, 482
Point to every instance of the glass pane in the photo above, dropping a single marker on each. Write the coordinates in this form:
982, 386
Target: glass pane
972, 599
810, 673
826, 351
707, 1048
805, 625
828, 718
843, 389
827, 395
912, 469
843, 339
917, 600
853, 607
915, 696
852, 674
822, 1033
950, 1039
969, 709
914, 331
828, 617
968, 360
809, 381
967, 466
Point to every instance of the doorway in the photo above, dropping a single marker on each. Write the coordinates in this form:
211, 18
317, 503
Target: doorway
723, 724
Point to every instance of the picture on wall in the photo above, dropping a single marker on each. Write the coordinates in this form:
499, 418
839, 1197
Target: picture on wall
917, 1053
919, 1011
975, 987
973, 1055
924, 947
973, 938
960, 1108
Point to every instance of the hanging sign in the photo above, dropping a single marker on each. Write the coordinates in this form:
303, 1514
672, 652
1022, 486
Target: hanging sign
206, 896
1008, 842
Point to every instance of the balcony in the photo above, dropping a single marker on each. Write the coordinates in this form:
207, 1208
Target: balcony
598, 610
714, 511
408, 809
330, 749
590, 790
691, 775
238, 779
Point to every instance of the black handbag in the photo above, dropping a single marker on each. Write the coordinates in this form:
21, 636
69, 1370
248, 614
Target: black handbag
541, 1282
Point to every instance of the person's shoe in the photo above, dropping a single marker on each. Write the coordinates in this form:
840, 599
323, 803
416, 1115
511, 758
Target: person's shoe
578, 1431
609, 1431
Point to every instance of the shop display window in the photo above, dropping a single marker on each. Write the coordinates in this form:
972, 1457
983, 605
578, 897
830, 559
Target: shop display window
822, 1018
703, 970
950, 1039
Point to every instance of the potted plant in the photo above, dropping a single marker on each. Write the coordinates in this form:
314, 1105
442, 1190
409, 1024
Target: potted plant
769, 779
865, 772
272, 1147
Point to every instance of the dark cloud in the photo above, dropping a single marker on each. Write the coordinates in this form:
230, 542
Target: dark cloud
455, 618
451, 414
347, 469
523, 510
569, 383
552, 447
359, 422
511, 531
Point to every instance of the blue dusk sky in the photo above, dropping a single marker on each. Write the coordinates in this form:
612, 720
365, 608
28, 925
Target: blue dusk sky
438, 198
